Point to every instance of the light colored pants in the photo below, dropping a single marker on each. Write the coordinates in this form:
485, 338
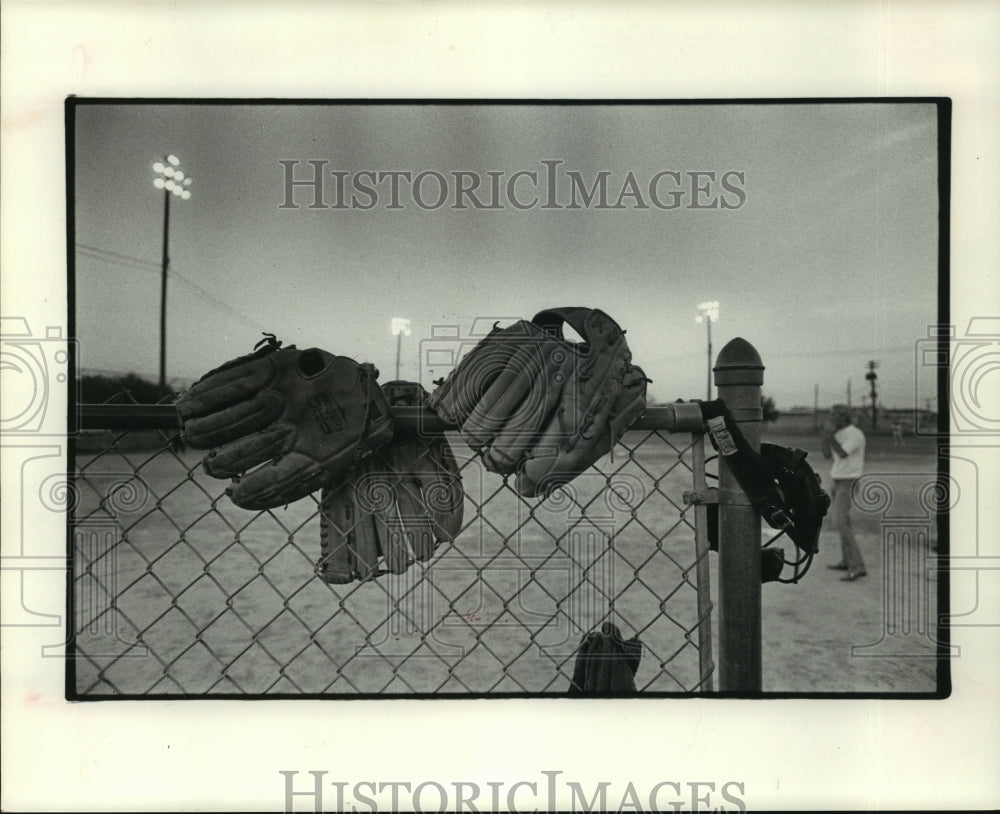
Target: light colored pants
840, 511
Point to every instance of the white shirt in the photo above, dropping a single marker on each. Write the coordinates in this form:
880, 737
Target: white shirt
852, 441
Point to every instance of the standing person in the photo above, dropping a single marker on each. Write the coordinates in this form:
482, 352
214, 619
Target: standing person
845, 444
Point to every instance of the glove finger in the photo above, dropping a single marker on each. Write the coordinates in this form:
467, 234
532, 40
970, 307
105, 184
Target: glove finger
392, 542
630, 404
601, 657
499, 410
337, 563
633, 653
441, 486
578, 684
226, 386
364, 542
286, 480
414, 521
551, 464
455, 398
567, 451
621, 677
245, 453
540, 436
375, 495
348, 544
233, 422
369, 498
427, 487
488, 361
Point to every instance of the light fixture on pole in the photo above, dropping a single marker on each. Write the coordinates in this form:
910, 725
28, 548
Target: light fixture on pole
174, 182
400, 326
708, 313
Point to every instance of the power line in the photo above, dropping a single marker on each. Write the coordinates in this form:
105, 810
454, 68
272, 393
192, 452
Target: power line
118, 261
128, 261
220, 304
117, 255
844, 353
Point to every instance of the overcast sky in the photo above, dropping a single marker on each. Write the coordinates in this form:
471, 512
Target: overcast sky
821, 247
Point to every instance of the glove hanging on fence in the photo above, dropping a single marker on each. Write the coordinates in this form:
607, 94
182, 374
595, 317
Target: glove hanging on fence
399, 505
281, 423
605, 663
542, 407
782, 487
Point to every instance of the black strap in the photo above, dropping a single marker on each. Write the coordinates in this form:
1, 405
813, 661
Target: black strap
781, 487
551, 321
754, 473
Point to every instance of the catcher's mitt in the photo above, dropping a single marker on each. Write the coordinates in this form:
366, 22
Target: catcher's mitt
400, 504
536, 404
303, 418
783, 488
780, 484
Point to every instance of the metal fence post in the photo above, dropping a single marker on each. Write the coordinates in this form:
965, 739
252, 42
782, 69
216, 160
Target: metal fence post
739, 375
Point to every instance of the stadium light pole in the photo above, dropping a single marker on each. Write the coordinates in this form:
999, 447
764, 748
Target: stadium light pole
173, 181
708, 313
400, 326
871, 376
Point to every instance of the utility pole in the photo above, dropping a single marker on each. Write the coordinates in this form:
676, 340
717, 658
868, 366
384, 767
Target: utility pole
871, 376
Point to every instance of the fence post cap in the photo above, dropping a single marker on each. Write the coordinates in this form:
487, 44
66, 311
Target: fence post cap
738, 363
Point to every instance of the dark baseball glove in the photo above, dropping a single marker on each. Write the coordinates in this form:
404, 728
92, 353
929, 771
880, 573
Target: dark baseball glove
606, 663
538, 405
399, 505
782, 486
281, 423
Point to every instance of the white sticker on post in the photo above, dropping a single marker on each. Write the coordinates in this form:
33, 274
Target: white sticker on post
723, 438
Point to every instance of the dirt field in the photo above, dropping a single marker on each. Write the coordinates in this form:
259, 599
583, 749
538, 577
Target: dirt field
225, 601
874, 635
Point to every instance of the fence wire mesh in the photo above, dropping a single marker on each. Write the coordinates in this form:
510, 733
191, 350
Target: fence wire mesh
177, 591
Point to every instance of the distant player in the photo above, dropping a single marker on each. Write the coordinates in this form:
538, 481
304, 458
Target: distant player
845, 444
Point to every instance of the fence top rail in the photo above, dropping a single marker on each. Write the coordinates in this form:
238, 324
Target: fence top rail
677, 417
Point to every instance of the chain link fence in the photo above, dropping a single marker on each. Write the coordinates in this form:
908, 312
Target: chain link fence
177, 592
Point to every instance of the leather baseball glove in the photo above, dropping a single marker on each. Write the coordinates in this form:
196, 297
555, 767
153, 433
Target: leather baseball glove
782, 486
399, 505
281, 423
538, 405
606, 662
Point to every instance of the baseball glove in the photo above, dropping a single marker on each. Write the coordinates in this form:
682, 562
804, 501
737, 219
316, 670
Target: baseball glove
536, 404
281, 423
400, 504
783, 488
606, 663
